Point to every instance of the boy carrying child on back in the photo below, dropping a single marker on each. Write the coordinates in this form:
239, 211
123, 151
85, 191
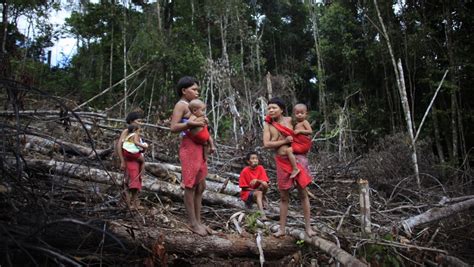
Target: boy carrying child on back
254, 183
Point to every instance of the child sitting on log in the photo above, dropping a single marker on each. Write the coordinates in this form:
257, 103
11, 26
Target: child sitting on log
254, 183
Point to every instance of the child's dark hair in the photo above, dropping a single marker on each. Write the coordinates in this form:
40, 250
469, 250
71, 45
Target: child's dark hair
132, 128
185, 82
277, 101
134, 115
247, 157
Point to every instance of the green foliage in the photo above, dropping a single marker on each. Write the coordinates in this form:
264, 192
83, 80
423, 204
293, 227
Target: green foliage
300, 243
251, 222
380, 255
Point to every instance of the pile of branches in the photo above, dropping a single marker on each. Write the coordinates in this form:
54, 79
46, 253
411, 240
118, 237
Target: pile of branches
61, 202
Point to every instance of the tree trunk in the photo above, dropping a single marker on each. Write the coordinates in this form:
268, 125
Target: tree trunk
149, 183
184, 242
58, 145
321, 80
364, 199
124, 36
3, 52
437, 135
398, 70
332, 249
435, 214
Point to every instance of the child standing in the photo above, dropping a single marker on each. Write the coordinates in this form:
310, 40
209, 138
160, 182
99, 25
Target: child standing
130, 151
254, 183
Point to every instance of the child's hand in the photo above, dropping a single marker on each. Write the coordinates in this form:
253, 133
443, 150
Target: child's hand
289, 139
145, 145
122, 165
297, 131
253, 182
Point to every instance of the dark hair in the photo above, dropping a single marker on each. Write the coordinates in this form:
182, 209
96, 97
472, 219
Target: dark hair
277, 101
132, 128
247, 157
133, 116
185, 82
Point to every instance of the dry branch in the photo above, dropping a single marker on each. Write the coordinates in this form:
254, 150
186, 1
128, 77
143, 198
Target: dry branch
435, 214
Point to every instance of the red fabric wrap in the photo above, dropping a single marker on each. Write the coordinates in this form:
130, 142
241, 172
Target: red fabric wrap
283, 169
200, 137
247, 175
132, 169
193, 163
301, 143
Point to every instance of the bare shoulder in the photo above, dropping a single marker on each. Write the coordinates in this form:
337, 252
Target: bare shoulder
288, 122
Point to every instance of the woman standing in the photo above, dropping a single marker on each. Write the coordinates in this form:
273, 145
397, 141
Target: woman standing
191, 155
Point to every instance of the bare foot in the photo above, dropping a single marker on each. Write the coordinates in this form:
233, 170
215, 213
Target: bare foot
294, 173
182, 185
209, 230
310, 232
199, 229
280, 233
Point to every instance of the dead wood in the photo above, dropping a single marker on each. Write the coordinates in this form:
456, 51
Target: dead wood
327, 246
150, 183
8, 113
435, 214
214, 182
185, 242
445, 260
58, 145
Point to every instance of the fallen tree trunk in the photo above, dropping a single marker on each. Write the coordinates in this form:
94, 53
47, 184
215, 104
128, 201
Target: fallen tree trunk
50, 112
329, 247
435, 214
213, 181
149, 183
184, 242
45, 144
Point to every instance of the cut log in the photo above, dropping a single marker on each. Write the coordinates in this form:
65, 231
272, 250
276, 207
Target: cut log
46, 144
213, 181
364, 199
150, 183
185, 242
327, 246
435, 214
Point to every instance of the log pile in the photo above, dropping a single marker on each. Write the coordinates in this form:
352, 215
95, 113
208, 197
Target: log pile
51, 174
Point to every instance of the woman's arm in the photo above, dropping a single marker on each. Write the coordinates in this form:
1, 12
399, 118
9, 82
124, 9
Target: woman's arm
178, 113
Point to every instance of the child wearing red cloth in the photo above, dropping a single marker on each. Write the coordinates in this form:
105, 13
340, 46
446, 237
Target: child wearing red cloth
129, 149
200, 135
254, 183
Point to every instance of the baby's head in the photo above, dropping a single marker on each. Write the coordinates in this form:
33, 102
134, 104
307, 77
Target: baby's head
300, 111
197, 108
